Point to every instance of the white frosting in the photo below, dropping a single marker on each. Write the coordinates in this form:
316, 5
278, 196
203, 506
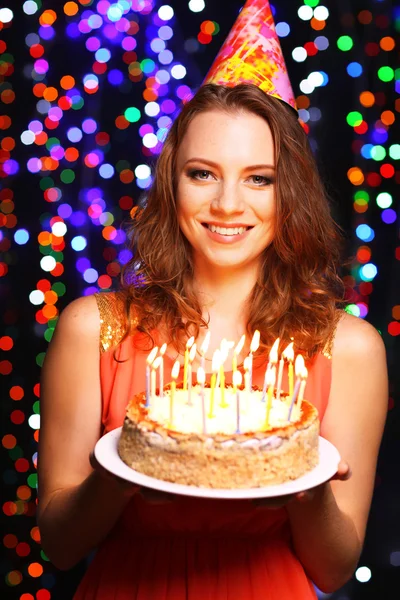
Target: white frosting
188, 418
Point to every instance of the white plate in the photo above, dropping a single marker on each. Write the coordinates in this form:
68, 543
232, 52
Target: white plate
107, 455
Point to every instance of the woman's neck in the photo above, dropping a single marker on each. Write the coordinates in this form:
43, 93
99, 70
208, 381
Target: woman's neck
223, 293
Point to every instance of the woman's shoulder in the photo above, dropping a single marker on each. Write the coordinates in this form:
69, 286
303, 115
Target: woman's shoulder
355, 336
80, 316
100, 315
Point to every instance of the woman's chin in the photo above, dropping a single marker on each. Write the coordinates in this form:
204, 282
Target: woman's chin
226, 262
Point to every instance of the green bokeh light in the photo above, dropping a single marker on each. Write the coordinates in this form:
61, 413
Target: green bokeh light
59, 288
378, 152
386, 74
312, 3
361, 195
345, 43
394, 151
132, 114
67, 176
354, 118
353, 309
53, 141
40, 358
48, 334
32, 480
46, 183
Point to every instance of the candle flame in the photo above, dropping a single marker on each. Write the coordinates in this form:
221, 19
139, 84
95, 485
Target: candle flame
247, 363
190, 342
206, 341
273, 355
156, 363
288, 353
163, 349
224, 349
175, 369
240, 345
152, 355
299, 365
255, 342
216, 361
201, 376
270, 376
304, 373
237, 378
192, 353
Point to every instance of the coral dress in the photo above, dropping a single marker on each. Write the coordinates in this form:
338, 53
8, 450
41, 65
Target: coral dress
190, 548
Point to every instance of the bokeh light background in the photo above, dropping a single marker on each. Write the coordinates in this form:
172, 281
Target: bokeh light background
88, 90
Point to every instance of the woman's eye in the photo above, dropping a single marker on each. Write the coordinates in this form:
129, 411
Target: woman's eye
199, 174
260, 180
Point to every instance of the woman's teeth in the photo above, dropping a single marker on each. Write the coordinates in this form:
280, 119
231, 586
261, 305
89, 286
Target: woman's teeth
227, 230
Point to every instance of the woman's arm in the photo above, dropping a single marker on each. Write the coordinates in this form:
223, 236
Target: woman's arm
77, 506
328, 531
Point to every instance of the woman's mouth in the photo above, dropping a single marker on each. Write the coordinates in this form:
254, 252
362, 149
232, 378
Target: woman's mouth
227, 233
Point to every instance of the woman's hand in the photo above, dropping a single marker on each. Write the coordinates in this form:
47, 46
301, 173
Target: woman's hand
342, 474
128, 488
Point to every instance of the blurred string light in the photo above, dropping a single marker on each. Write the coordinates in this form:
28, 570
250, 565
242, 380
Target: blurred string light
120, 44
315, 15
376, 155
197, 5
375, 150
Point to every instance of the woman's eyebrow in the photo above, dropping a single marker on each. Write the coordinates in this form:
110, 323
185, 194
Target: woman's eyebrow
213, 164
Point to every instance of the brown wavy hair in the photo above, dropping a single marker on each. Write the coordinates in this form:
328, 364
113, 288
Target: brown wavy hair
298, 288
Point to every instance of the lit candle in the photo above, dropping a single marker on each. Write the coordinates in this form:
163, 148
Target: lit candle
154, 367
192, 354
273, 359
149, 362
225, 346
203, 349
293, 400
255, 342
265, 384
280, 375
299, 367
273, 354
236, 353
237, 381
162, 352
189, 344
270, 377
247, 383
303, 375
215, 368
174, 376
288, 354
201, 379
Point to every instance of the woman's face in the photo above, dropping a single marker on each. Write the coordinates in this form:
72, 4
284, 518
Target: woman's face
226, 188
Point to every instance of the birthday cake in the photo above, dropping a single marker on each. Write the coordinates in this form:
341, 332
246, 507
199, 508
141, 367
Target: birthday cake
217, 440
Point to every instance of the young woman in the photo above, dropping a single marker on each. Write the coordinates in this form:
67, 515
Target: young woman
235, 236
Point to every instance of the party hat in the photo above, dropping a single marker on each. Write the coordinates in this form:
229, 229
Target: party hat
252, 54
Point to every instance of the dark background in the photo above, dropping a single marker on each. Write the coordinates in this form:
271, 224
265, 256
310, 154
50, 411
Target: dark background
26, 573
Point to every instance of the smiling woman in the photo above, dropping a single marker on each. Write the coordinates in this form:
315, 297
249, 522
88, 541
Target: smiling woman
237, 158
235, 238
227, 213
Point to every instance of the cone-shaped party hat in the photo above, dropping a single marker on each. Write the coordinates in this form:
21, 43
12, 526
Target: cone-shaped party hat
252, 54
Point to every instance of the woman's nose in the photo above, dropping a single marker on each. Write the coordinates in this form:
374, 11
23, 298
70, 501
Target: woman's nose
229, 200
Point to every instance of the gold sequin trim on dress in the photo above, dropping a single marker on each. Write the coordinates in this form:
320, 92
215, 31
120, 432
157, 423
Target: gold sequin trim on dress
112, 318
327, 351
